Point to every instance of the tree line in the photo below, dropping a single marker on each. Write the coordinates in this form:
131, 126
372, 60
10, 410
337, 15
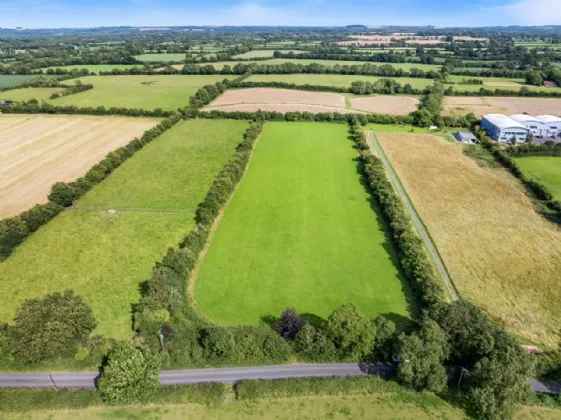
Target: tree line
77, 88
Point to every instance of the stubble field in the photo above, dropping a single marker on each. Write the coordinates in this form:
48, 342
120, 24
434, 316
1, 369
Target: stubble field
39, 150
499, 105
105, 257
501, 254
300, 231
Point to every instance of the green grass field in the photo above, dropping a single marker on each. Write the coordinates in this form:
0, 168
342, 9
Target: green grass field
546, 170
25, 94
161, 57
104, 258
300, 231
9, 80
169, 93
95, 67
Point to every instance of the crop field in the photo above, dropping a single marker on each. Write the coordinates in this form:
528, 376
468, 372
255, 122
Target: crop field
104, 257
397, 105
546, 170
501, 254
39, 150
276, 246
286, 100
161, 57
168, 93
12, 80
501, 105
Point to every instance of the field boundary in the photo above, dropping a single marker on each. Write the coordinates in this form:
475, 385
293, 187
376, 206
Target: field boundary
126, 209
431, 247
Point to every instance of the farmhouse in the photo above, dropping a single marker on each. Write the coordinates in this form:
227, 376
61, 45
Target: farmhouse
537, 127
502, 128
553, 124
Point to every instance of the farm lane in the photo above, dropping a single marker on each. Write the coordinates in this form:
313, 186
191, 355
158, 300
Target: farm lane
226, 375
377, 148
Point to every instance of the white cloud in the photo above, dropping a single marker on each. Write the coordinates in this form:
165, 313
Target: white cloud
532, 12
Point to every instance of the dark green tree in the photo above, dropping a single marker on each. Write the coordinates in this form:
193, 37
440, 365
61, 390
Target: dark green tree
289, 324
421, 357
350, 331
51, 327
130, 374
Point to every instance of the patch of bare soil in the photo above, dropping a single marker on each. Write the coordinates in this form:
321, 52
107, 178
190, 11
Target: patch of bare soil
279, 96
282, 108
396, 105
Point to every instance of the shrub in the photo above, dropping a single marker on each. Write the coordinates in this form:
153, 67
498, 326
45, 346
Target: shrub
130, 374
289, 324
51, 327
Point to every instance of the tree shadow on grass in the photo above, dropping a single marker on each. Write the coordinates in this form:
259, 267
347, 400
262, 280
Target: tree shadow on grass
313, 320
269, 320
411, 301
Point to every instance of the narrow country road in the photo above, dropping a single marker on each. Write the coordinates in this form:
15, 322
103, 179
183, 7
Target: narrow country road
377, 148
227, 375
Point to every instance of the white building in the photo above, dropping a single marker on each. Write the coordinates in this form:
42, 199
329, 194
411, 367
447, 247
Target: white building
502, 128
537, 128
553, 124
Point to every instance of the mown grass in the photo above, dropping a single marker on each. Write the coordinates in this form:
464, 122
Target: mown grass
25, 94
169, 93
500, 252
12, 80
300, 231
544, 169
104, 258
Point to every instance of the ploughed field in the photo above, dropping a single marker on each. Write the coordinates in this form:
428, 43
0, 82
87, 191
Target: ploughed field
544, 169
501, 254
300, 231
287, 100
39, 150
105, 257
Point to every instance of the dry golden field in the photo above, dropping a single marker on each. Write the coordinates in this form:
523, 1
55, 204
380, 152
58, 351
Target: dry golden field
397, 105
39, 150
282, 108
501, 254
279, 96
499, 105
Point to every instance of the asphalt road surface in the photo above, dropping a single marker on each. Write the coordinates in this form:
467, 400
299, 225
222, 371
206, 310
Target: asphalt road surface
439, 264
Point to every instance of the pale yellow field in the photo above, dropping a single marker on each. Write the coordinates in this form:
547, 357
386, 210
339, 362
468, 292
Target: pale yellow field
502, 255
39, 150
499, 105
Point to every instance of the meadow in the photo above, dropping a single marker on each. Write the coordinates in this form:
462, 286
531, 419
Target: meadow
501, 254
161, 57
276, 246
265, 53
12, 80
169, 93
105, 257
25, 94
546, 170
39, 150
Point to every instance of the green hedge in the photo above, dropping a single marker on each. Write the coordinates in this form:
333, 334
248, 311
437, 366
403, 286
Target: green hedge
14, 230
33, 107
71, 91
532, 149
303, 387
412, 255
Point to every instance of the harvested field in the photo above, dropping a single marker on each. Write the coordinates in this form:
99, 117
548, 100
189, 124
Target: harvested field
502, 255
40, 150
500, 105
278, 96
283, 108
396, 105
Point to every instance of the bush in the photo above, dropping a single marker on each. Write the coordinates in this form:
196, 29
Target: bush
130, 374
314, 346
289, 324
51, 327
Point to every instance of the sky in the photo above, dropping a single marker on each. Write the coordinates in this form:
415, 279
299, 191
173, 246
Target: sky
82, 14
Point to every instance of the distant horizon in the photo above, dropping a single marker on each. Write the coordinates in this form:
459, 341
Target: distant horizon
66, 14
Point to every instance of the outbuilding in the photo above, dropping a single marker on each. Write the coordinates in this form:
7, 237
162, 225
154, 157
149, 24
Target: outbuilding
537, 127
465, 137
553, 124
502, 128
